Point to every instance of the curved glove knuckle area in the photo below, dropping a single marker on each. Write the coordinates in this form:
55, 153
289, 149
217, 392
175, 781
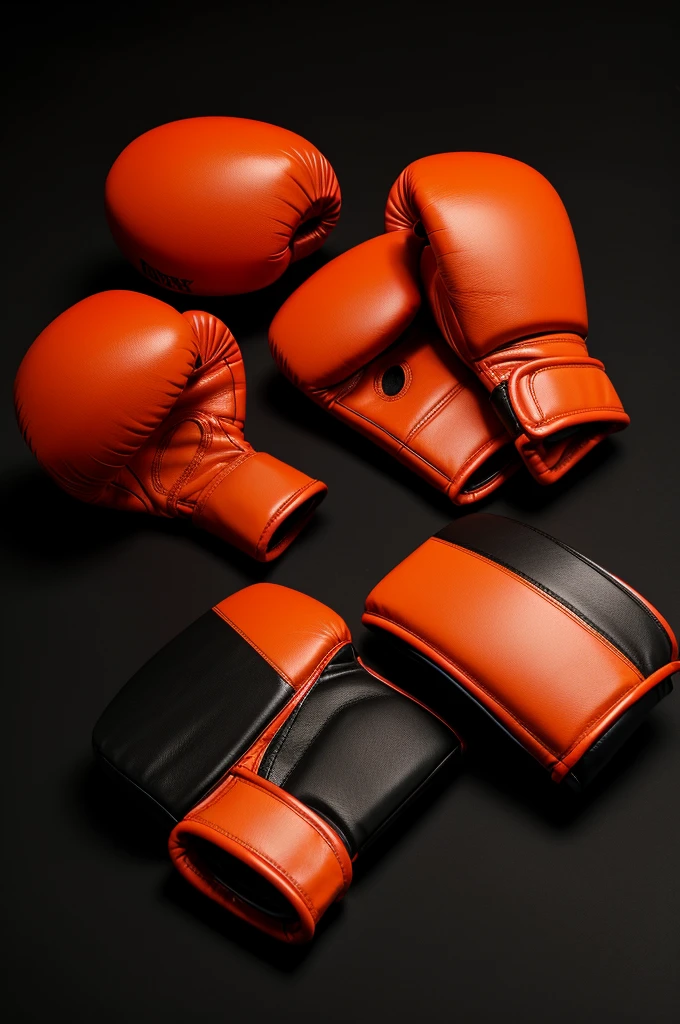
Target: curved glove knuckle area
273, 753
220, 205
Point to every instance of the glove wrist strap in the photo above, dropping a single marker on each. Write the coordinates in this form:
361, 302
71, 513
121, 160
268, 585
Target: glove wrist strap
260, 505
261, 853
557, 409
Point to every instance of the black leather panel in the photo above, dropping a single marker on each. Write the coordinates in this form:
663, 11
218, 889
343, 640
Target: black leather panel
602, 751
183, 720
500, 400
595, 758
356, 751
582, 586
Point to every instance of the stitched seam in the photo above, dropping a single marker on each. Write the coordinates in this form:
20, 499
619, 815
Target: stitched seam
280, 513
570, 456
268, 860
378, 388
402, 446
331, 718
471, 679
279, 671
471, 458
296, 810
559, 340
572, 412
605, 575
434, 411
553, 599
207, 492
204, 444
301, 695
300, 813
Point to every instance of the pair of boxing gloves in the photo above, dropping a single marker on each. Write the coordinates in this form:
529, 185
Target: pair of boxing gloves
130, 404
275, 756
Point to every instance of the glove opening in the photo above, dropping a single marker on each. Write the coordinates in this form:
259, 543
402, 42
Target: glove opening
241, 880
294, 522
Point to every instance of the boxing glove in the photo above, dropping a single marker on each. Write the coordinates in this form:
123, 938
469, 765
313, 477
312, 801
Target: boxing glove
565, 657
503, 276
274, 755
354, 338
130, 404
219, 205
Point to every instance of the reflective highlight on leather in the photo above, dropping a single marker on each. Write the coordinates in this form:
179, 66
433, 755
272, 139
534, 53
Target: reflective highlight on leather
277, 755
130, 404
220, 205
356, 324
544, 672
503, 276
280, 839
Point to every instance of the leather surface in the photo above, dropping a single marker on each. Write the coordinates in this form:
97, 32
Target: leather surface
187, 716
294, 632
355, 750
552, 680
291, 848
220, 205
604, 748
127, 403
358, 322
502, 272
583, 587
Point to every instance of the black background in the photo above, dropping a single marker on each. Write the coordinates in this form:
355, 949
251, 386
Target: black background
507, 900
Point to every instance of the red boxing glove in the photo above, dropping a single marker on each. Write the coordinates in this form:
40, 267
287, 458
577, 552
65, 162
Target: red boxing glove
504, 280
354, 339
220, 205
130, 404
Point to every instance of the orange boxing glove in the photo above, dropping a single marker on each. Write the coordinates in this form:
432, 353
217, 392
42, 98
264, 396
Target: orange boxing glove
130, 404
354, 338
272, 752
220, 205
563, 656
503, 275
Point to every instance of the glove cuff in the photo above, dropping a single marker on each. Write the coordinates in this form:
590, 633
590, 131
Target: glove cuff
557, 409
260, 505
259, 852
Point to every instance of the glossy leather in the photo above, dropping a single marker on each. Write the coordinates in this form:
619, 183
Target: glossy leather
503, 276
130, 404
355, 340
280, 754
551, 676
220, 205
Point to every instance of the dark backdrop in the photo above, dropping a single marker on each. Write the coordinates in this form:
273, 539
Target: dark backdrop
506, 900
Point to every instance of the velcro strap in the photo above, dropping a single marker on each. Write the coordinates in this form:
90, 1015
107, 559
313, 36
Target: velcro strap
548, 395
289, 848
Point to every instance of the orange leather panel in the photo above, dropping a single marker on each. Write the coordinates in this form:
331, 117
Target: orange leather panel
516, 270
437, 425
294, 632
549, 678
259, 504
97, 381
348, 312
279, 838
218, 205
353, 320
549, 394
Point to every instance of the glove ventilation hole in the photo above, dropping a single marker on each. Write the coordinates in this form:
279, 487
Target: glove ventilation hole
393, 382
